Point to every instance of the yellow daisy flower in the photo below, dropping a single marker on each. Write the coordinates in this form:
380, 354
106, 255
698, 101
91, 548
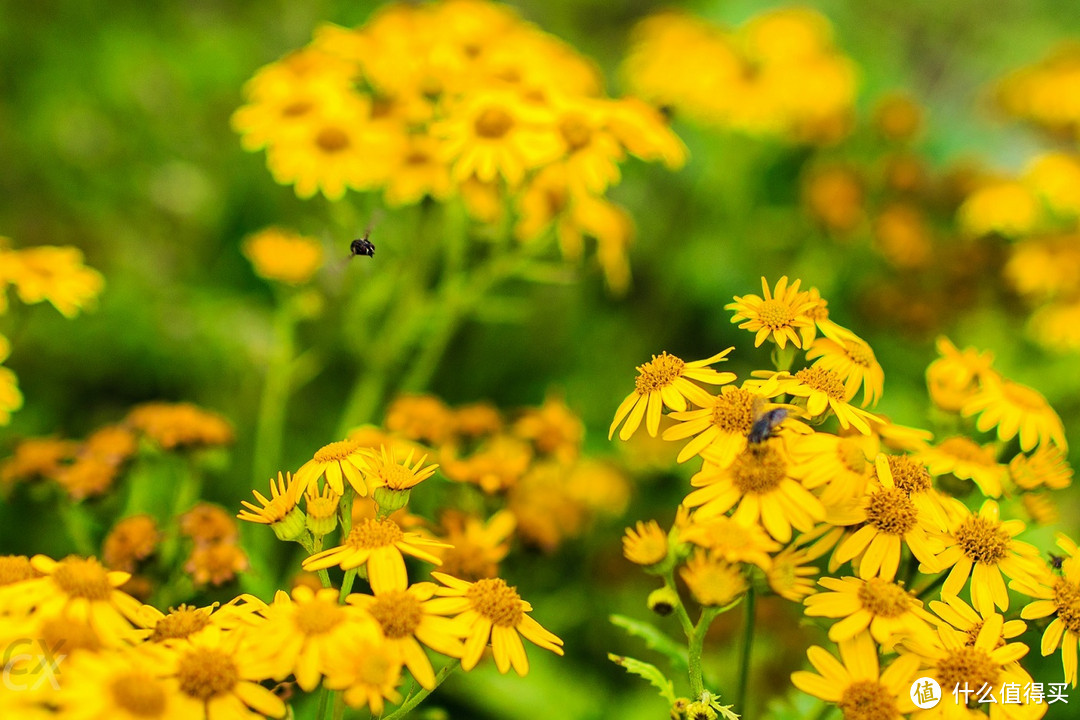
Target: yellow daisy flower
963, 617
491, 609
416, 172
321, 510
1015, 409
76, 587
888, 519
819, 314
665, 380
780, 315
494, 133
368, 670
823, 391
647, 544
282, 255
120, 686
886, 608
379, 545
338, 460
384, 470
841, 464
477, 547
1041, 508
911, 476
954, 377
1057, 596
186, 620
854, 361
1046, 467
791, 574
759, 483
967, 460
857, 686
56, 274
712, 581
280, 512
721, 426
220, 677
983, 547
731, 541
303, 634
405, 617
180, 425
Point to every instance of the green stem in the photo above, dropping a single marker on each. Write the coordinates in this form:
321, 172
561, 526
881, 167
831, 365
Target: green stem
695, 647
324, 697
270, 425
747, 646
80, 526
680, 608
419, 697
339, 704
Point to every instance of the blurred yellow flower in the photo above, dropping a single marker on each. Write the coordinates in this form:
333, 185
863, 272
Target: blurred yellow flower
1015, 409
1004, 207
1055, 177
1057, 595
954, 378
180, 425
1046, 467
56, 274
778, 316
967, 460
712, 581
283, 255
476, 547
120, 686
645, 544
854, 361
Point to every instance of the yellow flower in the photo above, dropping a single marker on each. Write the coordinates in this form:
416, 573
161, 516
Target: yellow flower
491, 609
378, 545
1005, 207
1045, 267
56, 274
983, 547
645, 544
1059, 596
1055, 177
320, 510
911, 476
823, 390
780, 315
967, 460
888, 519
186, 620
180, 425
497, 465
282, 255
492, 134
120, 686
758, 481
712, 581
407, 616
897, 116
130, 541
963, 617
858, 687
731, 541
1041, 508
1015, 409
838, 463
221, 677
208, 524
553, 429
790, 574
720, 427
886, 608
954, 378
76, 587
383, 470
338, 460
903, 236
1054, 326
1046, 467
303, 634
665, 380
15, 569
11, 398
216, 564
835, 197
423, 418
368, 670
854, 361
477, 547
418, 171
36, 458
280, 512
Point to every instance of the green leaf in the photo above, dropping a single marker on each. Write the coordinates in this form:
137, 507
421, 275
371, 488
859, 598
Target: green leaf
654, 639
647, 671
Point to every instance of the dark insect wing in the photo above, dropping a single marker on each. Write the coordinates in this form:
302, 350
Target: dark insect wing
1056, 561
762, 428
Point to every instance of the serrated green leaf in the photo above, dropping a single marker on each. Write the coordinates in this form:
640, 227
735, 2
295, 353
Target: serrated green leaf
649, 672
654, 639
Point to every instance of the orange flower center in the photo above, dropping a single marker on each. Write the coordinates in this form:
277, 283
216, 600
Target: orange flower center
493, 123
658, 373
468, 560
909, 475
370, 534
398, 613
982, 540
337, 451
859, 353
317, 617
775, 314
822, 380
15, 568
62, 632
733, 411
884, 598
967, 665
891, 511
297, 109
138, 692
759, 468
79, 578
205, 672
496, 601
321, 507
575, 131
396, 477
180, 623
1067, 598
332, 140
868, 700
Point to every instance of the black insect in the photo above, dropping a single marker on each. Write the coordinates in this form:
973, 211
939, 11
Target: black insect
1056, 561
362, 246
764, 424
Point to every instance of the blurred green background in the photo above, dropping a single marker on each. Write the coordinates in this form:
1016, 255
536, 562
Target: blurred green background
115, 138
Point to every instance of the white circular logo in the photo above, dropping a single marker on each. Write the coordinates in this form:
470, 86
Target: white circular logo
925, 692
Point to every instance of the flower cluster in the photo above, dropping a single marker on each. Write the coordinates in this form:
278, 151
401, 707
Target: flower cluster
792, 472
457, 99
777, 75
1044, 93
